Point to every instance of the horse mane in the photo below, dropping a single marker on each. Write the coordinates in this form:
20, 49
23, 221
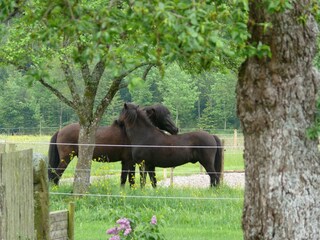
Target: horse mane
148, 121
160, 109
133, 112
144, 116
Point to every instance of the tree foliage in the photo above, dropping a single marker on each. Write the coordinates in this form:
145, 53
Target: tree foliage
108, 40
179, 95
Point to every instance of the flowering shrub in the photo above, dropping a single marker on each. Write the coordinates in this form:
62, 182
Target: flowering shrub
129, 229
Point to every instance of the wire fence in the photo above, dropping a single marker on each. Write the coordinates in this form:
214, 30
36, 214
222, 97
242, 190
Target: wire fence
106, 191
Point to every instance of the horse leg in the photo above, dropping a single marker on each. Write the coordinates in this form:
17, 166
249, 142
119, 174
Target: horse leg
152, 174
132, 172
143, 174
211, 171
128, 169
63, 164
214, 177
124, 174
218, 157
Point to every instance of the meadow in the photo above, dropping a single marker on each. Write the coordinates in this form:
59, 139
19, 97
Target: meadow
182, 213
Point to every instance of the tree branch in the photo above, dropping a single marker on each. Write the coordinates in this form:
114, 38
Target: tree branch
71, 83
115, 86
144, 75
85, 72
57, 93
92, 83
98, 70
146, 72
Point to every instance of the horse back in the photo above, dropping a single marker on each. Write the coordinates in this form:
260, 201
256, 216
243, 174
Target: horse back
197, 138
67, 140
108, 136
68, 136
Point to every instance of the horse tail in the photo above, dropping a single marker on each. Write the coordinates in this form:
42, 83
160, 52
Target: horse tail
218, 157
54, 157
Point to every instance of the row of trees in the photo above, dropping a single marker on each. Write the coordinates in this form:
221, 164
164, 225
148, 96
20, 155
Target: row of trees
204, 100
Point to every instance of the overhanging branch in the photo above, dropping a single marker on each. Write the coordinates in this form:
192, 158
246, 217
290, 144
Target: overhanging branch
57, 93
115, 86
144, 75
70, 81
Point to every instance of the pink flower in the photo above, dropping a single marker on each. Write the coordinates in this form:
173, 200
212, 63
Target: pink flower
115, 237
153, 220
127, 231
124, 223
113, 231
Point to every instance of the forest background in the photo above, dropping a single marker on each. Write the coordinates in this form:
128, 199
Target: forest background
205, 100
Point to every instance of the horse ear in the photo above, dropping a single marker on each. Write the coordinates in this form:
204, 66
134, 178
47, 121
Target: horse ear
125, 106
150, 112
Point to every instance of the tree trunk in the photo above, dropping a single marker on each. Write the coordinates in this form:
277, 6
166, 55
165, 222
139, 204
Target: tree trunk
276, 105
83, 168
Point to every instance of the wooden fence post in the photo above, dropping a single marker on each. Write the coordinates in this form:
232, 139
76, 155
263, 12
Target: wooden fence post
41, 196
2, 147
71, 211
165, 173
201, 169
11, 147
2, 212
235, 137
16, 176
171, 177
222, 161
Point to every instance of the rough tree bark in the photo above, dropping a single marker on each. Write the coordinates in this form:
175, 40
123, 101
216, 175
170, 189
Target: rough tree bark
276, 105
83, 169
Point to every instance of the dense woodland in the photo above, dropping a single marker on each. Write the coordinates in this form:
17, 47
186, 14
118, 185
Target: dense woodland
203, 100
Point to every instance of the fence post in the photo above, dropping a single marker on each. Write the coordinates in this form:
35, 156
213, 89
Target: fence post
17, 195
41, 197
11, 147
2, 212
222, 161
201, 168
71, 210
165, 173
235, 137
171, 177
2, 147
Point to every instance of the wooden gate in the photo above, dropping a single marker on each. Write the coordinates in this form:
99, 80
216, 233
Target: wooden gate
16, 195
24, 200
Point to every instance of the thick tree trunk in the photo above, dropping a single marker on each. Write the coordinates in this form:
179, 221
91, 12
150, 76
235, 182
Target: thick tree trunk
276, 105
83, 168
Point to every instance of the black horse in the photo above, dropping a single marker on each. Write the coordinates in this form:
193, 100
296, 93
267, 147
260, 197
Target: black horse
64, 146
171, 150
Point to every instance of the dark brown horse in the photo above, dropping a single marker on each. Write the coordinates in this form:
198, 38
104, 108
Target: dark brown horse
169, 150
64, 146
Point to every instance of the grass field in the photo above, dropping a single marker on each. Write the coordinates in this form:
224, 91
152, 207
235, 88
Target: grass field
183, 213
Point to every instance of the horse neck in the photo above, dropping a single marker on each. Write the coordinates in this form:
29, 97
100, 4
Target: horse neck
140, 127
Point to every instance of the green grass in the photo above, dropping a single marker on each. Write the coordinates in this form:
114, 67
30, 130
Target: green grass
183, 213
209, 214
233, 158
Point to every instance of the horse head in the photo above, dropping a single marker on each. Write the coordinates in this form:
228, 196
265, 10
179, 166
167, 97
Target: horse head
128, 114
160, 116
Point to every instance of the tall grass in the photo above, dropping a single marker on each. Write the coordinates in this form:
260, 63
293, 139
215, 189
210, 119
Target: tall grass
184, 213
